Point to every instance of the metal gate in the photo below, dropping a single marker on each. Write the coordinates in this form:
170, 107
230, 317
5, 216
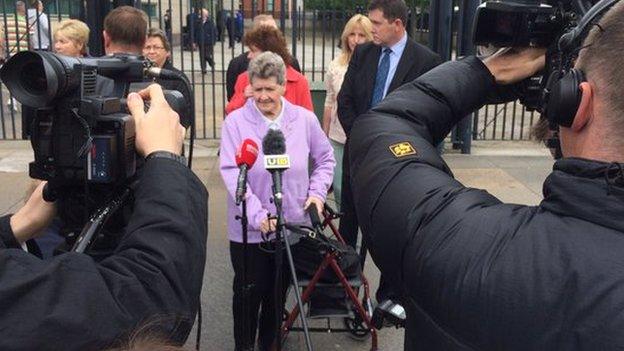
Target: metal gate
312, 29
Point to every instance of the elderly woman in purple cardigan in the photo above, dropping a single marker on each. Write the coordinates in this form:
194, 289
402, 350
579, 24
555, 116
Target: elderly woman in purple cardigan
305, 142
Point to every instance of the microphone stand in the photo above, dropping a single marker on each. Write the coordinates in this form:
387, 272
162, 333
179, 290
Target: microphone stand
277, 200
246, 287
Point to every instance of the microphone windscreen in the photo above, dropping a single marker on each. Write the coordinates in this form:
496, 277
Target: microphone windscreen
247, 153
274, 143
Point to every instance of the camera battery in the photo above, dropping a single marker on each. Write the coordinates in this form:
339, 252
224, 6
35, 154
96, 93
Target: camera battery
102, 159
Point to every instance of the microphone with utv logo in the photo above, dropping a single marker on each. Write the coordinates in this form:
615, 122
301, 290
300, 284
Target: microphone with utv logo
277, 161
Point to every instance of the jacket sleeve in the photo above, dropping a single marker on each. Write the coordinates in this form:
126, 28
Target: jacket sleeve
230, 140
414, 215
346, 97
7, 239
322, 156
304, 96
155, 274
331, 93
238, 99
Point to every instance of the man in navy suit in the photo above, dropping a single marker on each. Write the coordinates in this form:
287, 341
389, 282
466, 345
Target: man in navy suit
376, 69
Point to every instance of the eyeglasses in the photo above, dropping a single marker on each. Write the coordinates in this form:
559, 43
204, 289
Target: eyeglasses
154, 48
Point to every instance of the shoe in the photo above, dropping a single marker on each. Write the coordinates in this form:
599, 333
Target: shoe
14, 104
388, 314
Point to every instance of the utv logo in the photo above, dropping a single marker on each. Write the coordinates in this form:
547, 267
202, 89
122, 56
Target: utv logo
402, 149
276, 161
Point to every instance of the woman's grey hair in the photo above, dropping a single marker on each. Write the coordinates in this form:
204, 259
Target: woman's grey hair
267, 65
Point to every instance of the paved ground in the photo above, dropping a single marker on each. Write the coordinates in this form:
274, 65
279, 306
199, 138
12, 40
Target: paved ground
512, 171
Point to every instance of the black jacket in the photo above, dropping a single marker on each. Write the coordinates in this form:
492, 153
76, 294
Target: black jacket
357, 88
205, 33
238, 65
186, 116
155, 275
478, 274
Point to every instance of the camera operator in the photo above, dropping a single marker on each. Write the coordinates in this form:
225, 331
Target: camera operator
125, 32
70, 302
478, 274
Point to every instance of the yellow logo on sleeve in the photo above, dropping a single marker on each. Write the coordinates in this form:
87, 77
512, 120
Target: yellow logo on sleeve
402, 149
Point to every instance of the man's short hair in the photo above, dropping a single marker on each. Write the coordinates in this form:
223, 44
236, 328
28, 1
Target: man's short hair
601, 60
392, 9
126, 25
159, 33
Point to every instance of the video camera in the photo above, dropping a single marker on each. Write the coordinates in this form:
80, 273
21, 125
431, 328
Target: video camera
532, 23
82, 135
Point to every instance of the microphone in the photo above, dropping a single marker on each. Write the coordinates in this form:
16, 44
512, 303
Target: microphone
246, 156
314, 218
275, 159
163, 73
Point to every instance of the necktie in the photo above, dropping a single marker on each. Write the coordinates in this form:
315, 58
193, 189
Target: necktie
381, 77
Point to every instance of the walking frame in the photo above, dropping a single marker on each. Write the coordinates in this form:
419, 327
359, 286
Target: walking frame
360, 324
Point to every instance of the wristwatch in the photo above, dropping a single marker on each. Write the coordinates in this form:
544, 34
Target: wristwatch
167, 154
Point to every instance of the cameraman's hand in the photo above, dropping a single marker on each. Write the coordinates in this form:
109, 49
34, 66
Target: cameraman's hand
159, 129
511, 65
30, 220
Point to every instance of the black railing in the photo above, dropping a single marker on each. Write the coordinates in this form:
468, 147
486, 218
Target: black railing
312, 34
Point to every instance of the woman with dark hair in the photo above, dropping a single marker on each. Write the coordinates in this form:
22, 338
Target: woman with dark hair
259, 40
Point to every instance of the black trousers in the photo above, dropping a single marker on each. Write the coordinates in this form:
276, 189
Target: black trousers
206, 53
261, 277
348, 227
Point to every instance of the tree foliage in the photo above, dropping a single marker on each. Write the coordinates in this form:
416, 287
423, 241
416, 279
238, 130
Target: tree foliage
421, 5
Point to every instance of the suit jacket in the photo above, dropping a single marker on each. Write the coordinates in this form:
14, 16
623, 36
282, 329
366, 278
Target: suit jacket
205, 33
357, 88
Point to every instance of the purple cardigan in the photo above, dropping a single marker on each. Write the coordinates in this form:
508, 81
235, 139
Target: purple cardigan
305, 141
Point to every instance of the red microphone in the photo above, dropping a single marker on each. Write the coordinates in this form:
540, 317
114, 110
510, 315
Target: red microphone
246, 156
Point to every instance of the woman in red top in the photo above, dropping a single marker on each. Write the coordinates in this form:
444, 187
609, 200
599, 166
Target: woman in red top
266, 38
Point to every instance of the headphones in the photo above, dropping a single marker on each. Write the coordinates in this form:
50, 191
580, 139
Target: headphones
563, 95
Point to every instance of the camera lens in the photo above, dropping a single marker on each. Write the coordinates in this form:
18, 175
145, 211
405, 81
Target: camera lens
34, 78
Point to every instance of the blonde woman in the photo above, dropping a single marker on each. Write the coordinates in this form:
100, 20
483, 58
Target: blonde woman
358, 30
71, 37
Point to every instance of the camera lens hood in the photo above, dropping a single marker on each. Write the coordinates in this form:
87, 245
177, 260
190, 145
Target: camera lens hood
37, 78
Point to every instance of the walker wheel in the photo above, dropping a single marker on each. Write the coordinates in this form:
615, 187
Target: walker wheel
357, 328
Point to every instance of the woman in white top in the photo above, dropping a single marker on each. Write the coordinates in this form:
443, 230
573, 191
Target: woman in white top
358, 30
